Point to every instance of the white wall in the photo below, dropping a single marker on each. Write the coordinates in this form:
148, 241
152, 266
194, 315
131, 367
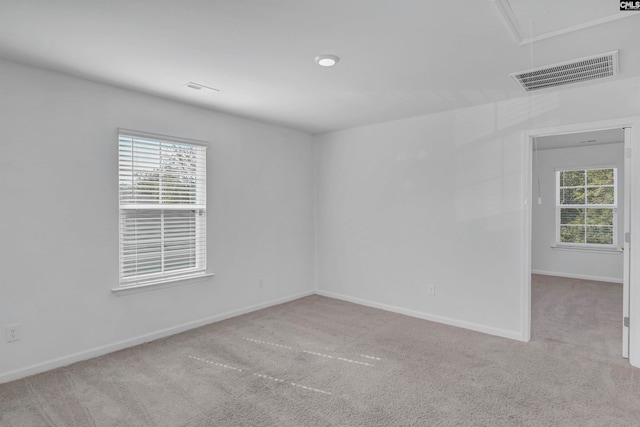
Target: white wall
439, 199
607, 266
436, 199
59, 218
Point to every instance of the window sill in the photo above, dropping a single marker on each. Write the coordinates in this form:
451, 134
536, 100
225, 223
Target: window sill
160, 284
612, 251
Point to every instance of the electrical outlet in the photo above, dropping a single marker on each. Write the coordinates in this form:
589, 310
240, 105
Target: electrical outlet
13, 332
431, 290
260, 283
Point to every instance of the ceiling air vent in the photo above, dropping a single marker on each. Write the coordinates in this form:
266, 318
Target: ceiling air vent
198, 86
575, 71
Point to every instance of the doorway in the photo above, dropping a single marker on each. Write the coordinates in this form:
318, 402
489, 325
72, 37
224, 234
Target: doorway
628, 326
577, 256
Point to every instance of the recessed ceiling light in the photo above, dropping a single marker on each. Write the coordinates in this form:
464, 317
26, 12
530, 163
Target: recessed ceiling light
327, 60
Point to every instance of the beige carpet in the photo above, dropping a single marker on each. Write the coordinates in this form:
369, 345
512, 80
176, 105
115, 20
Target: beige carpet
322, 362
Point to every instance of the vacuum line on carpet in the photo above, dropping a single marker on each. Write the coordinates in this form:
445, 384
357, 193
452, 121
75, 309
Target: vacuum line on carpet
369, 357
316, 354
217, 364
268, 377
269, 343
337, 358
309, 388
293, 384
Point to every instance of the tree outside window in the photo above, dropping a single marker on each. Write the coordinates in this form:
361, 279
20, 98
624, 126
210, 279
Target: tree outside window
586, 206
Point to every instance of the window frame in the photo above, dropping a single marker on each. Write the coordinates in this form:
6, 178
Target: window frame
613, 206
128, 211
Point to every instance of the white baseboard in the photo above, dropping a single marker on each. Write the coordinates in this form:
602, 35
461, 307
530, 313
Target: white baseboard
514, 335
120, 345
578, 276
100, 351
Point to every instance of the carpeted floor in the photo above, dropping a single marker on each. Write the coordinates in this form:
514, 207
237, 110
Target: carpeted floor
581, 313
323, 362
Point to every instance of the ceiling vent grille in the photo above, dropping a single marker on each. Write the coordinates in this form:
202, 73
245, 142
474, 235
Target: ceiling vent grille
575, 71
198, 86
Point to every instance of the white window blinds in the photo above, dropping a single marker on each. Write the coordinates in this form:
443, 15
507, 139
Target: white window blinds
162, 189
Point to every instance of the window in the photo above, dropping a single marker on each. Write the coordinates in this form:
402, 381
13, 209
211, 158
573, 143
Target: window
162, 192
586, 202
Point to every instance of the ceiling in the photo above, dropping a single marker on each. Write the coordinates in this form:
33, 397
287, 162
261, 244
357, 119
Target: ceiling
398, 58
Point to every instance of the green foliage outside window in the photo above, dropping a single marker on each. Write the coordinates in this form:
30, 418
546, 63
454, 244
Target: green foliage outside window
587, 205
173, 181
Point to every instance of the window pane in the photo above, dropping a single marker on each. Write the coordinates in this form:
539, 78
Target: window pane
600, 177
179, 165
158, 172
170, 239
571, 178
180, 239
599, 216
141, 236
600, 235
572, 216
147, 186
572, 196
590, 222
600, 195
572, 234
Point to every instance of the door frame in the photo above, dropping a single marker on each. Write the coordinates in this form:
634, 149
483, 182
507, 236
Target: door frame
631, 274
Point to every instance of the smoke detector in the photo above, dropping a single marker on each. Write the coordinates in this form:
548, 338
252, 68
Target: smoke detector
569, 72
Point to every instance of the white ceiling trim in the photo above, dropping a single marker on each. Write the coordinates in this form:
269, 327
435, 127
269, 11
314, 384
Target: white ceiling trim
512, 23
510, 19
